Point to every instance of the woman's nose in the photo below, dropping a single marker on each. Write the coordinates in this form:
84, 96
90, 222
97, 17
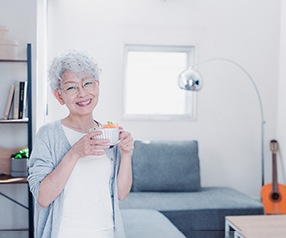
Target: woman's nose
81, 91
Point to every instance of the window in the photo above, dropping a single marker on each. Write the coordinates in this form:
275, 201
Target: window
151, 83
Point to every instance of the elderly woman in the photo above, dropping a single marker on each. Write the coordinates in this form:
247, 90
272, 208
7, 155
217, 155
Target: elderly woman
76, 180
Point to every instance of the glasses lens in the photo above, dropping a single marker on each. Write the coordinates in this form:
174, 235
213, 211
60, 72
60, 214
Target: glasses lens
70, 88
89, 84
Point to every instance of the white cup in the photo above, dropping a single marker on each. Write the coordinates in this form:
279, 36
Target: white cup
112, 134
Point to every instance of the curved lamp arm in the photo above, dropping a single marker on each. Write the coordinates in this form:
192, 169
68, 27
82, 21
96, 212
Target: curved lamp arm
191, 80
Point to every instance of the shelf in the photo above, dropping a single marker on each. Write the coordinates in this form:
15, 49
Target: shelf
13, 60
12, 231
7, 179
24, 120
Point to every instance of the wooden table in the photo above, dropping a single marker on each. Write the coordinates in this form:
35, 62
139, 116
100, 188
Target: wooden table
7, 179
264, 233
262, 226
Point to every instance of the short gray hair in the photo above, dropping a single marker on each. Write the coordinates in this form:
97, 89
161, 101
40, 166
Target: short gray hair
73, 61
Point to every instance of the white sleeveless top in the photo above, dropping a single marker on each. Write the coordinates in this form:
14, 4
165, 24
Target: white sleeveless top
87, 210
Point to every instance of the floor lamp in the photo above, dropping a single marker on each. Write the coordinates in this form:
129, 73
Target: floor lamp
191, 80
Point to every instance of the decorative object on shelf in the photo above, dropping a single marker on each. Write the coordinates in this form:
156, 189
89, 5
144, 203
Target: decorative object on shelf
19, 163
191, 80
5, 159
8, 47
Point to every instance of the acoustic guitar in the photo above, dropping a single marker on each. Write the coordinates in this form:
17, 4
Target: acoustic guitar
274, 195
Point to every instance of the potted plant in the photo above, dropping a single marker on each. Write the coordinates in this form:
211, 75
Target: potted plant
19, 163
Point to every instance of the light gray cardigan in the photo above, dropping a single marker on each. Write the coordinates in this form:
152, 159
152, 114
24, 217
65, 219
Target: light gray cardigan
49, 148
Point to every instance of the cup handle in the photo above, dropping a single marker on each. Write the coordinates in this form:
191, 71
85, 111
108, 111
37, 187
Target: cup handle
120, 130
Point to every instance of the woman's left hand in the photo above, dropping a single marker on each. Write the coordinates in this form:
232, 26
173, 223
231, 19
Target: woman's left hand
126, 144
124, 179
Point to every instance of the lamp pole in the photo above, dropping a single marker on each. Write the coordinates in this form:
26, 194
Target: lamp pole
191, 80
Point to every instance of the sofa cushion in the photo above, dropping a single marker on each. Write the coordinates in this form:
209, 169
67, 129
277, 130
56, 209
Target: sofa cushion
166, 166
141, 223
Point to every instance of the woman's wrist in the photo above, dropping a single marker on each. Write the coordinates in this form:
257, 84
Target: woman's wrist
73, 154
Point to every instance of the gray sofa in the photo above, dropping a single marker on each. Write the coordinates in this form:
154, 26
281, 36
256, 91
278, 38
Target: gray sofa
166, 179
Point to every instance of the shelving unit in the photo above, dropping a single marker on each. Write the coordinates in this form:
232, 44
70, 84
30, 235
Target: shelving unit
6, 179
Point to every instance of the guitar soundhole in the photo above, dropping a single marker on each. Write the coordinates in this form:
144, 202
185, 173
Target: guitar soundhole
275, 196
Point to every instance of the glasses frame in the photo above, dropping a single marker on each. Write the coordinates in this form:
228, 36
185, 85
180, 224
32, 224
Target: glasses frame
80, 84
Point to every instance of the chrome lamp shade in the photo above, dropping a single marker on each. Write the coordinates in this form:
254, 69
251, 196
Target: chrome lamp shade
190, 80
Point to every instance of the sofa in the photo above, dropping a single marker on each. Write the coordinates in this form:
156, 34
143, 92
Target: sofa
166, 180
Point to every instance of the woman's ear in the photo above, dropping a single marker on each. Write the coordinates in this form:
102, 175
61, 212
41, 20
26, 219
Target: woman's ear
59, 97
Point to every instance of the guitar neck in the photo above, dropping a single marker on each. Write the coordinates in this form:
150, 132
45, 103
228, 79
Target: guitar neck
274, 172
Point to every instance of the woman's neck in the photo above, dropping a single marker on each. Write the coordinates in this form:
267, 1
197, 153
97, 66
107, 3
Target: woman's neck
79, 124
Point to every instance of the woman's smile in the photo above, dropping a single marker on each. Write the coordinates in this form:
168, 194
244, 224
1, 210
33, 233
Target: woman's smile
84, 103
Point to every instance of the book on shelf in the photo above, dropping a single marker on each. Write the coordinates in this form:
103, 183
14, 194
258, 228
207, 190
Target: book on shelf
16, 106
16, 100
22, 99
8, 108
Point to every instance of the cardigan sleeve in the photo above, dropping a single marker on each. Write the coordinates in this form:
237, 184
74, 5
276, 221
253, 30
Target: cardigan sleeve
40, 163
49, 148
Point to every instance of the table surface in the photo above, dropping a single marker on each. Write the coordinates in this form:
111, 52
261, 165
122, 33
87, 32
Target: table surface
262, 226
264, 233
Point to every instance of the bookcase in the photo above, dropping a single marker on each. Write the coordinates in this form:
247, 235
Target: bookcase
6, 179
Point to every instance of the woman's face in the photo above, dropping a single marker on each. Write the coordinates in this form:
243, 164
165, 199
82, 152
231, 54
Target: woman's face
79, 92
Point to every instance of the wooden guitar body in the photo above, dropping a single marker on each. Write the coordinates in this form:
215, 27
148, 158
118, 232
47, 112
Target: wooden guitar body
274, 202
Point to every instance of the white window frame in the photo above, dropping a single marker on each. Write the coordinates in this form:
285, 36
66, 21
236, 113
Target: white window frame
190, 97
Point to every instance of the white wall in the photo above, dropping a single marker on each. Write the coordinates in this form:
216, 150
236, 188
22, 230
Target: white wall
19, 16
228, 118
281, 127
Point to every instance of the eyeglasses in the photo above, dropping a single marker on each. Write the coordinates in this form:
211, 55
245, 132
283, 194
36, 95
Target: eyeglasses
73, 88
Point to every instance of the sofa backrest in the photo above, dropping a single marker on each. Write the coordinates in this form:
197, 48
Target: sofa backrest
165, 166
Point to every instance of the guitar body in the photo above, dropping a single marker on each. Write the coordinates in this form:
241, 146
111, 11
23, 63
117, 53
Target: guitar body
274, 202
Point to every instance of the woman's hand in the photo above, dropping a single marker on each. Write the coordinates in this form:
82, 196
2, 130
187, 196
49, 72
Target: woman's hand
88, 145
126, 144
